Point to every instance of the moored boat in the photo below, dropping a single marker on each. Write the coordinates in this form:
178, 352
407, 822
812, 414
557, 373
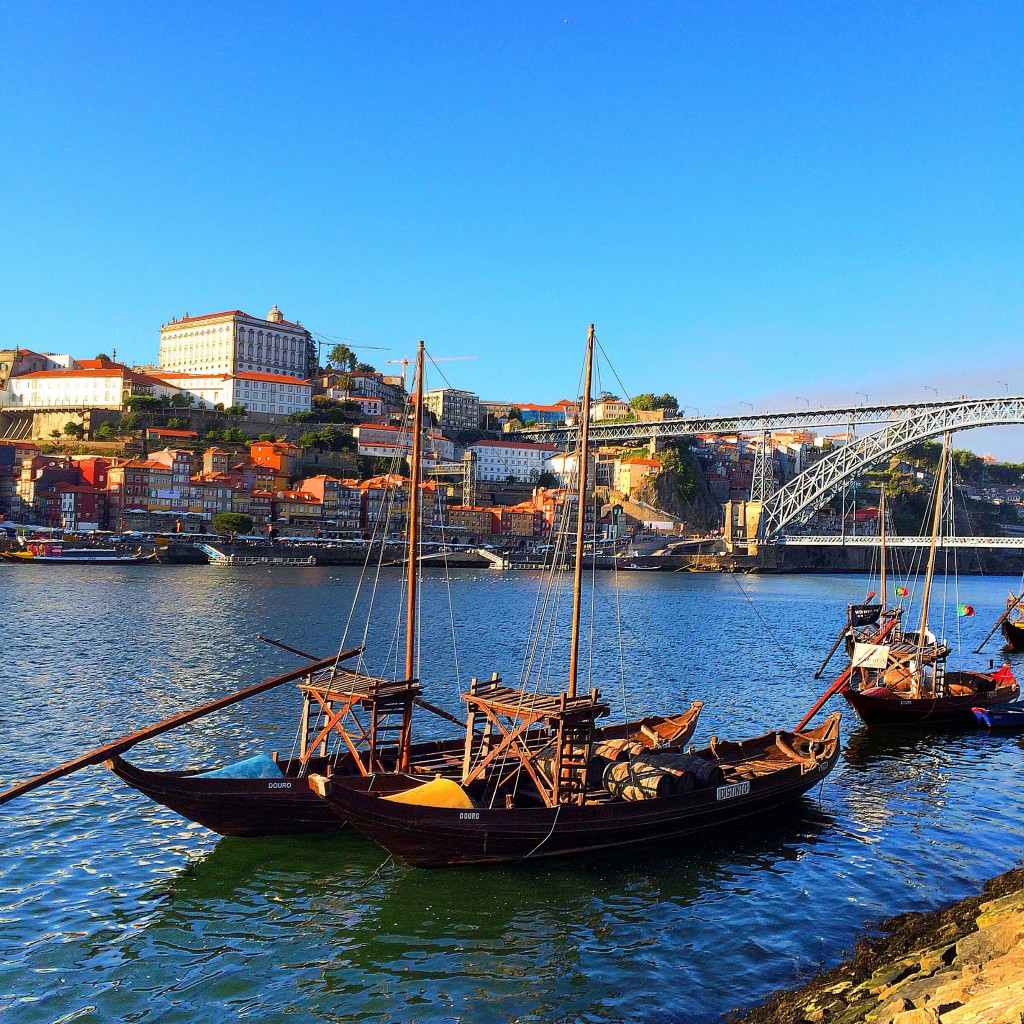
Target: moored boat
512, 801
900, 678
56, 552
756, 776
1011, 717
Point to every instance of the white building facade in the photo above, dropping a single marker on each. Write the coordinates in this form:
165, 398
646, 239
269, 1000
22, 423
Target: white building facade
105, 388
500, 460
270, 393
234, 342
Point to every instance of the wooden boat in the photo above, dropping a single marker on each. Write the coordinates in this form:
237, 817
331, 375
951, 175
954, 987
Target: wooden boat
48, 551
900, 678
757, 776
1011, 623
284, 804
1000, 718
1013, 633
512, 800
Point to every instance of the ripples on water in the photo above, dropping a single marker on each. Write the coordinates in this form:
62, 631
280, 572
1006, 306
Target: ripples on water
114, 909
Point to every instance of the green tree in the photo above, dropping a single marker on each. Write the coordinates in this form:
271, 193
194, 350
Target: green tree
236, 435
103, 356
236, 410
75, 430
649, 401
142, 403
515, 413
267, 437
55, 434
342, 357
106, 431
366, 368
232, 523
176, 423
180, 401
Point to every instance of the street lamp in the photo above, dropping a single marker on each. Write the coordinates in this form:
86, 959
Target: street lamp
928, 387
860, 394
806, 400
1005, 385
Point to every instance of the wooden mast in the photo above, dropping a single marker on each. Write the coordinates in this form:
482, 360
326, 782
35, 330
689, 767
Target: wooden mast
940, 490
581, 504
881, 581
413, 531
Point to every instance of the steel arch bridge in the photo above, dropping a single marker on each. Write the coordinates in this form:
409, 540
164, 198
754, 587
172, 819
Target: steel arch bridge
792, 419
808, 491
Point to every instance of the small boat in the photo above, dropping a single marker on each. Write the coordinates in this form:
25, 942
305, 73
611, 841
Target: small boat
1011, 623
735, 781
900, 678
510, 800
1013, 633
49, 551
1000, 718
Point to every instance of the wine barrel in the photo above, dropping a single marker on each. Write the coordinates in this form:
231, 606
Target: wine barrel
635, 780
606, 753
705, 773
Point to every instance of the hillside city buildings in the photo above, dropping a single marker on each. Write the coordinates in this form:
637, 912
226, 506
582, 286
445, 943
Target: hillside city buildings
260, 375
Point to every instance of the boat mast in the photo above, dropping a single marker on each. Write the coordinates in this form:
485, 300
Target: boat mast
940, 490
413, 530
581, 504
881, 582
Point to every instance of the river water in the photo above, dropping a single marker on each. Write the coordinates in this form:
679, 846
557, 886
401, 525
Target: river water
115, 909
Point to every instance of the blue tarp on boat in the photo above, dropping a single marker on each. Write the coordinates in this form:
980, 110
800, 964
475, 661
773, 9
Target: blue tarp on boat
262, 766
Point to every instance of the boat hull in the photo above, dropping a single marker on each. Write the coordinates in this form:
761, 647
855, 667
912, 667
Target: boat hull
287, 806
233, 807
444, 837
1013, 634
1000, 718
889, 708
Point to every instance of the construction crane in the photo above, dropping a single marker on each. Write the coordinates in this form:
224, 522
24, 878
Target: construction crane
327, 339
406, 360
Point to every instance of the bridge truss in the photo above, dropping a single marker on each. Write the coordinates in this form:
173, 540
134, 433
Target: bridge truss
798, 500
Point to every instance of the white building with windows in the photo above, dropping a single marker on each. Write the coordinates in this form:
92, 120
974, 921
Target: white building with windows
234, 342
101, 387
500, 460
268, 393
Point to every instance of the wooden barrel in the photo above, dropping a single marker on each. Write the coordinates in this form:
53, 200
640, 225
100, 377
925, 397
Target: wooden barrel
703, 772
634, 780
607, 753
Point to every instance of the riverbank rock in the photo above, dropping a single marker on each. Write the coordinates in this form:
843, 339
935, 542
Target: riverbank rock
960, 965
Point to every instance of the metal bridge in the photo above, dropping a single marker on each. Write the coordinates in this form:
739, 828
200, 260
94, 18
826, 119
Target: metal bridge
795, 503
798, 500
756, 423
835, 541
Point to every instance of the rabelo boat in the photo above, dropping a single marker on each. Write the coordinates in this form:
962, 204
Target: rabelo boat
538, 778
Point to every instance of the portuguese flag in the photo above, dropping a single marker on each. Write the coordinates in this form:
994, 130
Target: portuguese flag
902, 592
965, 609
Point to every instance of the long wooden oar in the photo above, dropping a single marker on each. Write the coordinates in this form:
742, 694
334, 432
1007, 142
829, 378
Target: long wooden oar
1002, 618
125, 743
842, 682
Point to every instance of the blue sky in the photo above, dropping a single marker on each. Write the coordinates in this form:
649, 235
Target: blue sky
754, 202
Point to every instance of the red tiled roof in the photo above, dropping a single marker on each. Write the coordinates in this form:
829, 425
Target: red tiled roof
514, 444
275, 377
